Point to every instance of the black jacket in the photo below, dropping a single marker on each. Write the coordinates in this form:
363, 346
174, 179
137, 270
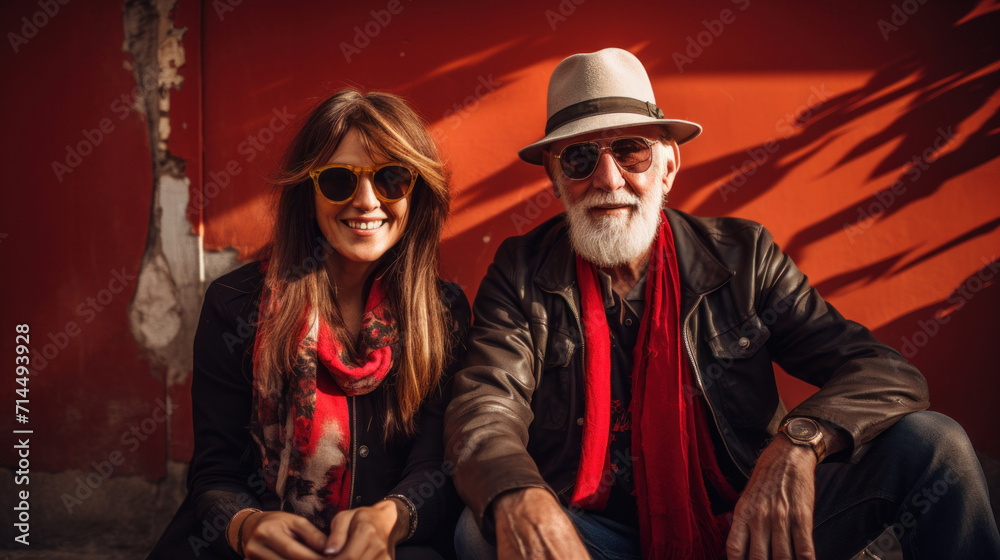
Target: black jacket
225, 473
516, 413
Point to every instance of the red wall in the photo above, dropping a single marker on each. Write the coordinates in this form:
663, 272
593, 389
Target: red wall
70, 235
822, 108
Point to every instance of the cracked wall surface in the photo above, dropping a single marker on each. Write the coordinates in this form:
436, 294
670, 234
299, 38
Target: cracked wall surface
95, 512
164, 311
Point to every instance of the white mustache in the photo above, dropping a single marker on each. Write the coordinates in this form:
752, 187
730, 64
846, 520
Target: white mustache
618, 198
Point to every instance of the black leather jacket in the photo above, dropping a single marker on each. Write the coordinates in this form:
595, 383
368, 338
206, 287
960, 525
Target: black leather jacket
225, 474
516, 413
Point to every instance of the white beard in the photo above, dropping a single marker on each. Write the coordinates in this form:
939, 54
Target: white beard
608, 241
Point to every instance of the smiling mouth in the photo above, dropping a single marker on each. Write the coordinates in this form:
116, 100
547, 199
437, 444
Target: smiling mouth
353, 224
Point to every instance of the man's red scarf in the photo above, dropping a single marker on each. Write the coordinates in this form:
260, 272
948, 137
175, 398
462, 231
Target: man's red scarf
303, 426
672, 449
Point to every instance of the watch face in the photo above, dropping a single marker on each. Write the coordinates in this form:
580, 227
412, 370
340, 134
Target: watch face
802, 429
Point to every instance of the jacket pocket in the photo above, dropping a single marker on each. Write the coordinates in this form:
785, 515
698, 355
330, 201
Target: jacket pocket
742, 341
555, 387
742, 374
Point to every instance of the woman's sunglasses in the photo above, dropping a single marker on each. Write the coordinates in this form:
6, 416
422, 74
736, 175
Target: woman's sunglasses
338, 182
633, 153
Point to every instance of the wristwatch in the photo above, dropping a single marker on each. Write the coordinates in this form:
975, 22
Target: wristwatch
805, 432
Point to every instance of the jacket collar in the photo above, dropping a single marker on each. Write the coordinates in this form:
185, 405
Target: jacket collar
557, 273
701, 271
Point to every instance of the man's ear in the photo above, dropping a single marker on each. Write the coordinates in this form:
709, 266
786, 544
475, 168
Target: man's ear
677, 156
673, 165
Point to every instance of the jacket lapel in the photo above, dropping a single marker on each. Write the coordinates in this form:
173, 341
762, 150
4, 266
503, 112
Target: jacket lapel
557, 273
700, 270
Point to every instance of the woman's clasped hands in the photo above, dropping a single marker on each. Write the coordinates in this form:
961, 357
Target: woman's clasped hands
364, 533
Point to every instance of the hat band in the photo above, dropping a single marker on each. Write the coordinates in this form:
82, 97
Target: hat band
600, 106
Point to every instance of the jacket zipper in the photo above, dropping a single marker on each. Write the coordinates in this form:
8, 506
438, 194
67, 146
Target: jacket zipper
701, 385
354, 449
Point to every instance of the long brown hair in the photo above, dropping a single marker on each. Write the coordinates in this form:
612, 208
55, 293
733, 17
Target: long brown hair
296, 274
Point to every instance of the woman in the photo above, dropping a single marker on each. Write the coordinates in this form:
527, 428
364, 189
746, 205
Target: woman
318, 391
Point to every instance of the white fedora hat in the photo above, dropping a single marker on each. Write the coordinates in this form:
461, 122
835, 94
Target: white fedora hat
605, 90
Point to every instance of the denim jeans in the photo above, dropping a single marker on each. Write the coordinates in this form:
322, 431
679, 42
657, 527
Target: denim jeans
918, 483
604, 538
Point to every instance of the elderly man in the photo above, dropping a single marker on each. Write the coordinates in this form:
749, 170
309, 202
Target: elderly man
619, 399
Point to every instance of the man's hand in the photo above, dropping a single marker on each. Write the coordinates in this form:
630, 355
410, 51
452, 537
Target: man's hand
277, 534
773, 518
369, 532
531, 524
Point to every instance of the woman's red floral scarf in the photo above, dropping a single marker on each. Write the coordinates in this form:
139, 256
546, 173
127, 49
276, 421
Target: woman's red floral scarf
303, 427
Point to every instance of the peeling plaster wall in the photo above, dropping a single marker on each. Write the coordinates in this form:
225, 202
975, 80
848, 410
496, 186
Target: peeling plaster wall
160, 321
164, 311
100, 387
167, 302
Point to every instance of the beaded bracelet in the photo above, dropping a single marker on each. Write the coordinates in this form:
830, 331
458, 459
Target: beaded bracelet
409, 508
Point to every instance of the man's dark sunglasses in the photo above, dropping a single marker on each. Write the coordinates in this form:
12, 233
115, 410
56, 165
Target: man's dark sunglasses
632, 153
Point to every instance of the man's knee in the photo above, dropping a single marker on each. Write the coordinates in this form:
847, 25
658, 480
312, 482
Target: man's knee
927, 439
929, 432
929, 424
